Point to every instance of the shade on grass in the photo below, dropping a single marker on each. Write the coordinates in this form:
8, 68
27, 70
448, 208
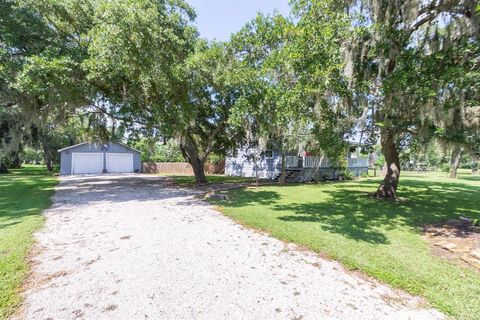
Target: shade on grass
24, 193
188, 181
381, 238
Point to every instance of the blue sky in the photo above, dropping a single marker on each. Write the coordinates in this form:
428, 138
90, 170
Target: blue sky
217, 19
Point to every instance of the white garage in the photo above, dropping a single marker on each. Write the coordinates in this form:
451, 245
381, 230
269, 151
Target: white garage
119, 162
95, 158
84, 163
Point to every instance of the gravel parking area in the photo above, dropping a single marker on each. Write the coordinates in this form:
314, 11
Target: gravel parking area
133, 247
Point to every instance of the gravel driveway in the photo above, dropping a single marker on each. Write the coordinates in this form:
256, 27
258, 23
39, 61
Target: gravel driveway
131, 247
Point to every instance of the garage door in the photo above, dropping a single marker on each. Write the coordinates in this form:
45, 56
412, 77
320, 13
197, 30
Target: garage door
87, 163
119, 162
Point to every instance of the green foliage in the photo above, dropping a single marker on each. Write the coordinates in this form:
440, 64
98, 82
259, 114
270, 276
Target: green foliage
134, 46
154, 151
445, 168
419, 154
412, 71
289, 79
31, 156
347, 174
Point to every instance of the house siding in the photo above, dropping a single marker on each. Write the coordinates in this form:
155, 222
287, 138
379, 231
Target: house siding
239, 165
269, 168
66, 155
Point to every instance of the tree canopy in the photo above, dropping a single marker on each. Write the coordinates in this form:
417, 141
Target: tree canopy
397, 72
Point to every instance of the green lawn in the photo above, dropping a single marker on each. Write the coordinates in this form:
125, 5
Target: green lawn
24, 193
381, 238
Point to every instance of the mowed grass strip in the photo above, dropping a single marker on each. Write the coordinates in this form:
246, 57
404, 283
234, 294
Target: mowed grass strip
24, 194
381, 238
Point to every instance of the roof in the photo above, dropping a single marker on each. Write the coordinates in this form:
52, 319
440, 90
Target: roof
75, 145
80, 144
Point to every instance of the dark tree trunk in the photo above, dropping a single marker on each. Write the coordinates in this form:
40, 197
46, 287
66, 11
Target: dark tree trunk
48, 161
47, 157
284, 171
15, 161
3, 168
388, 187
455, 162
190, 154
256, 169
198, 170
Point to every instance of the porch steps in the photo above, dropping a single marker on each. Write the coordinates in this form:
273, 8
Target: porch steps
290, 176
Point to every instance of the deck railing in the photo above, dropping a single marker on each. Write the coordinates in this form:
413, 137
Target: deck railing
357, 162
321, 162
291, 162
316, 162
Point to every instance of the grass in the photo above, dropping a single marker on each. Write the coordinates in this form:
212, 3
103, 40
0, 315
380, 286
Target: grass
381, 238
188, 181
24, 193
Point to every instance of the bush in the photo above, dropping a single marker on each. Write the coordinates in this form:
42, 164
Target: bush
347, 174
445, 168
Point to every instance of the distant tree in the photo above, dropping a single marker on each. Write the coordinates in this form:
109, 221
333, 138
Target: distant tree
154, 150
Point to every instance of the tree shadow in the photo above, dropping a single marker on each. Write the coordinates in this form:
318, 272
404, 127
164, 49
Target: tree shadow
246, 197
346, 209
341, 214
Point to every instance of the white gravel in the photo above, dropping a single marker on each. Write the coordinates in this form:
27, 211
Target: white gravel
130, 247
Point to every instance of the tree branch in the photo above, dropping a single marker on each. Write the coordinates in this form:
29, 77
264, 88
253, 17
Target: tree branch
212, 137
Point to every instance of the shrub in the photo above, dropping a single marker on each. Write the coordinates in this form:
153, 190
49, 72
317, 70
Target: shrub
347, 174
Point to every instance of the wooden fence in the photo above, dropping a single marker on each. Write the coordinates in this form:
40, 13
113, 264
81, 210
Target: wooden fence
180, 168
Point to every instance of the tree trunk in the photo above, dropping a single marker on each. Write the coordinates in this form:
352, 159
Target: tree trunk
284, 171
256, 170
388, 187
48, 161
474, 167
190, 153
3, 168
455, 162
47, 155
198, 170
15, 160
